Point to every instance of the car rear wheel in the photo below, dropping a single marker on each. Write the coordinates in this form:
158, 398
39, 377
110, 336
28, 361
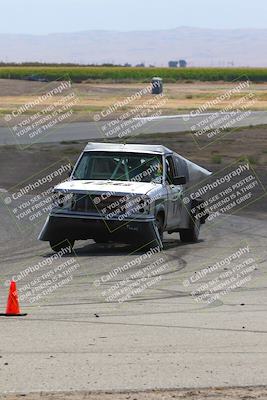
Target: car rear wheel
191, 235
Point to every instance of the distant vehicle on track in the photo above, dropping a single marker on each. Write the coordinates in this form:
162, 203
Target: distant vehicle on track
157, 85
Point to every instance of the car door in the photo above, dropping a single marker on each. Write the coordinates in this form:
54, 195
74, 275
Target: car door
174, 194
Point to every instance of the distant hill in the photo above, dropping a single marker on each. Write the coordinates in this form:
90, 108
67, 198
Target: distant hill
200, 47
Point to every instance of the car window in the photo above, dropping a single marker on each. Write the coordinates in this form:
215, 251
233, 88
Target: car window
120, 167
170, 169
181, 168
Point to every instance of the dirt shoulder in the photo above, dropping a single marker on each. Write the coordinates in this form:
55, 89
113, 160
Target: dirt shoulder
238, 393
95, 97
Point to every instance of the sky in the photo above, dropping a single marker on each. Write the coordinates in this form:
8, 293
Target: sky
50, 16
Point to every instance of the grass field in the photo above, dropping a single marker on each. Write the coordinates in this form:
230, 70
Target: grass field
124, 74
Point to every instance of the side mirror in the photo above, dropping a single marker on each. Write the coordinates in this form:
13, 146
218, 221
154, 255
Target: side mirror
179, 180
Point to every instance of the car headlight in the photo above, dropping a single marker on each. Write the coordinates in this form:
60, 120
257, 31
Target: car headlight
62, 200
144, 205
136, 204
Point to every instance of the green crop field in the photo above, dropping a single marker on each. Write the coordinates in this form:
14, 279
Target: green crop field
128, 74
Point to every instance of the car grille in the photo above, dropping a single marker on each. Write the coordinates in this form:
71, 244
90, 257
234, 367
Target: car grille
95, 204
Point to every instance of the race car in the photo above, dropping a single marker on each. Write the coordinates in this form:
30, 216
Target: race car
129, 193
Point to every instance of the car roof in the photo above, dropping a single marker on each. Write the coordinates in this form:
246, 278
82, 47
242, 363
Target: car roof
128, 148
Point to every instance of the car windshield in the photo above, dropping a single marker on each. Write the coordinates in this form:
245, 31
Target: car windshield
119, 166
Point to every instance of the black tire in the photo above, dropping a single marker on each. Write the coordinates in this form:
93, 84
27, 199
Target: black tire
100, 240
58, 245
191, 235
160, 225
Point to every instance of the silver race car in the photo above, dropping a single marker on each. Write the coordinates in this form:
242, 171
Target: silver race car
130, 193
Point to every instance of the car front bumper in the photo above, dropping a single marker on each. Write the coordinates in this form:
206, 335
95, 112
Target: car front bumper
81, 227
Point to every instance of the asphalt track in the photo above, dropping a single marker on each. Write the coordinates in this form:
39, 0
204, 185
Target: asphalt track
94, 130
73, 339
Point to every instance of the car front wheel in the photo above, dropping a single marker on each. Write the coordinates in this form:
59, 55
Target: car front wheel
59, 245
159, 225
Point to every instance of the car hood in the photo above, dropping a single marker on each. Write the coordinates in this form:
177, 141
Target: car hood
104, 186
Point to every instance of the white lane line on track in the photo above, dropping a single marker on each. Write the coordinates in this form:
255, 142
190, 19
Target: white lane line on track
178, 116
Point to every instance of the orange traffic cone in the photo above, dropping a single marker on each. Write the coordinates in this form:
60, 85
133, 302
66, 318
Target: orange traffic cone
12, 307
